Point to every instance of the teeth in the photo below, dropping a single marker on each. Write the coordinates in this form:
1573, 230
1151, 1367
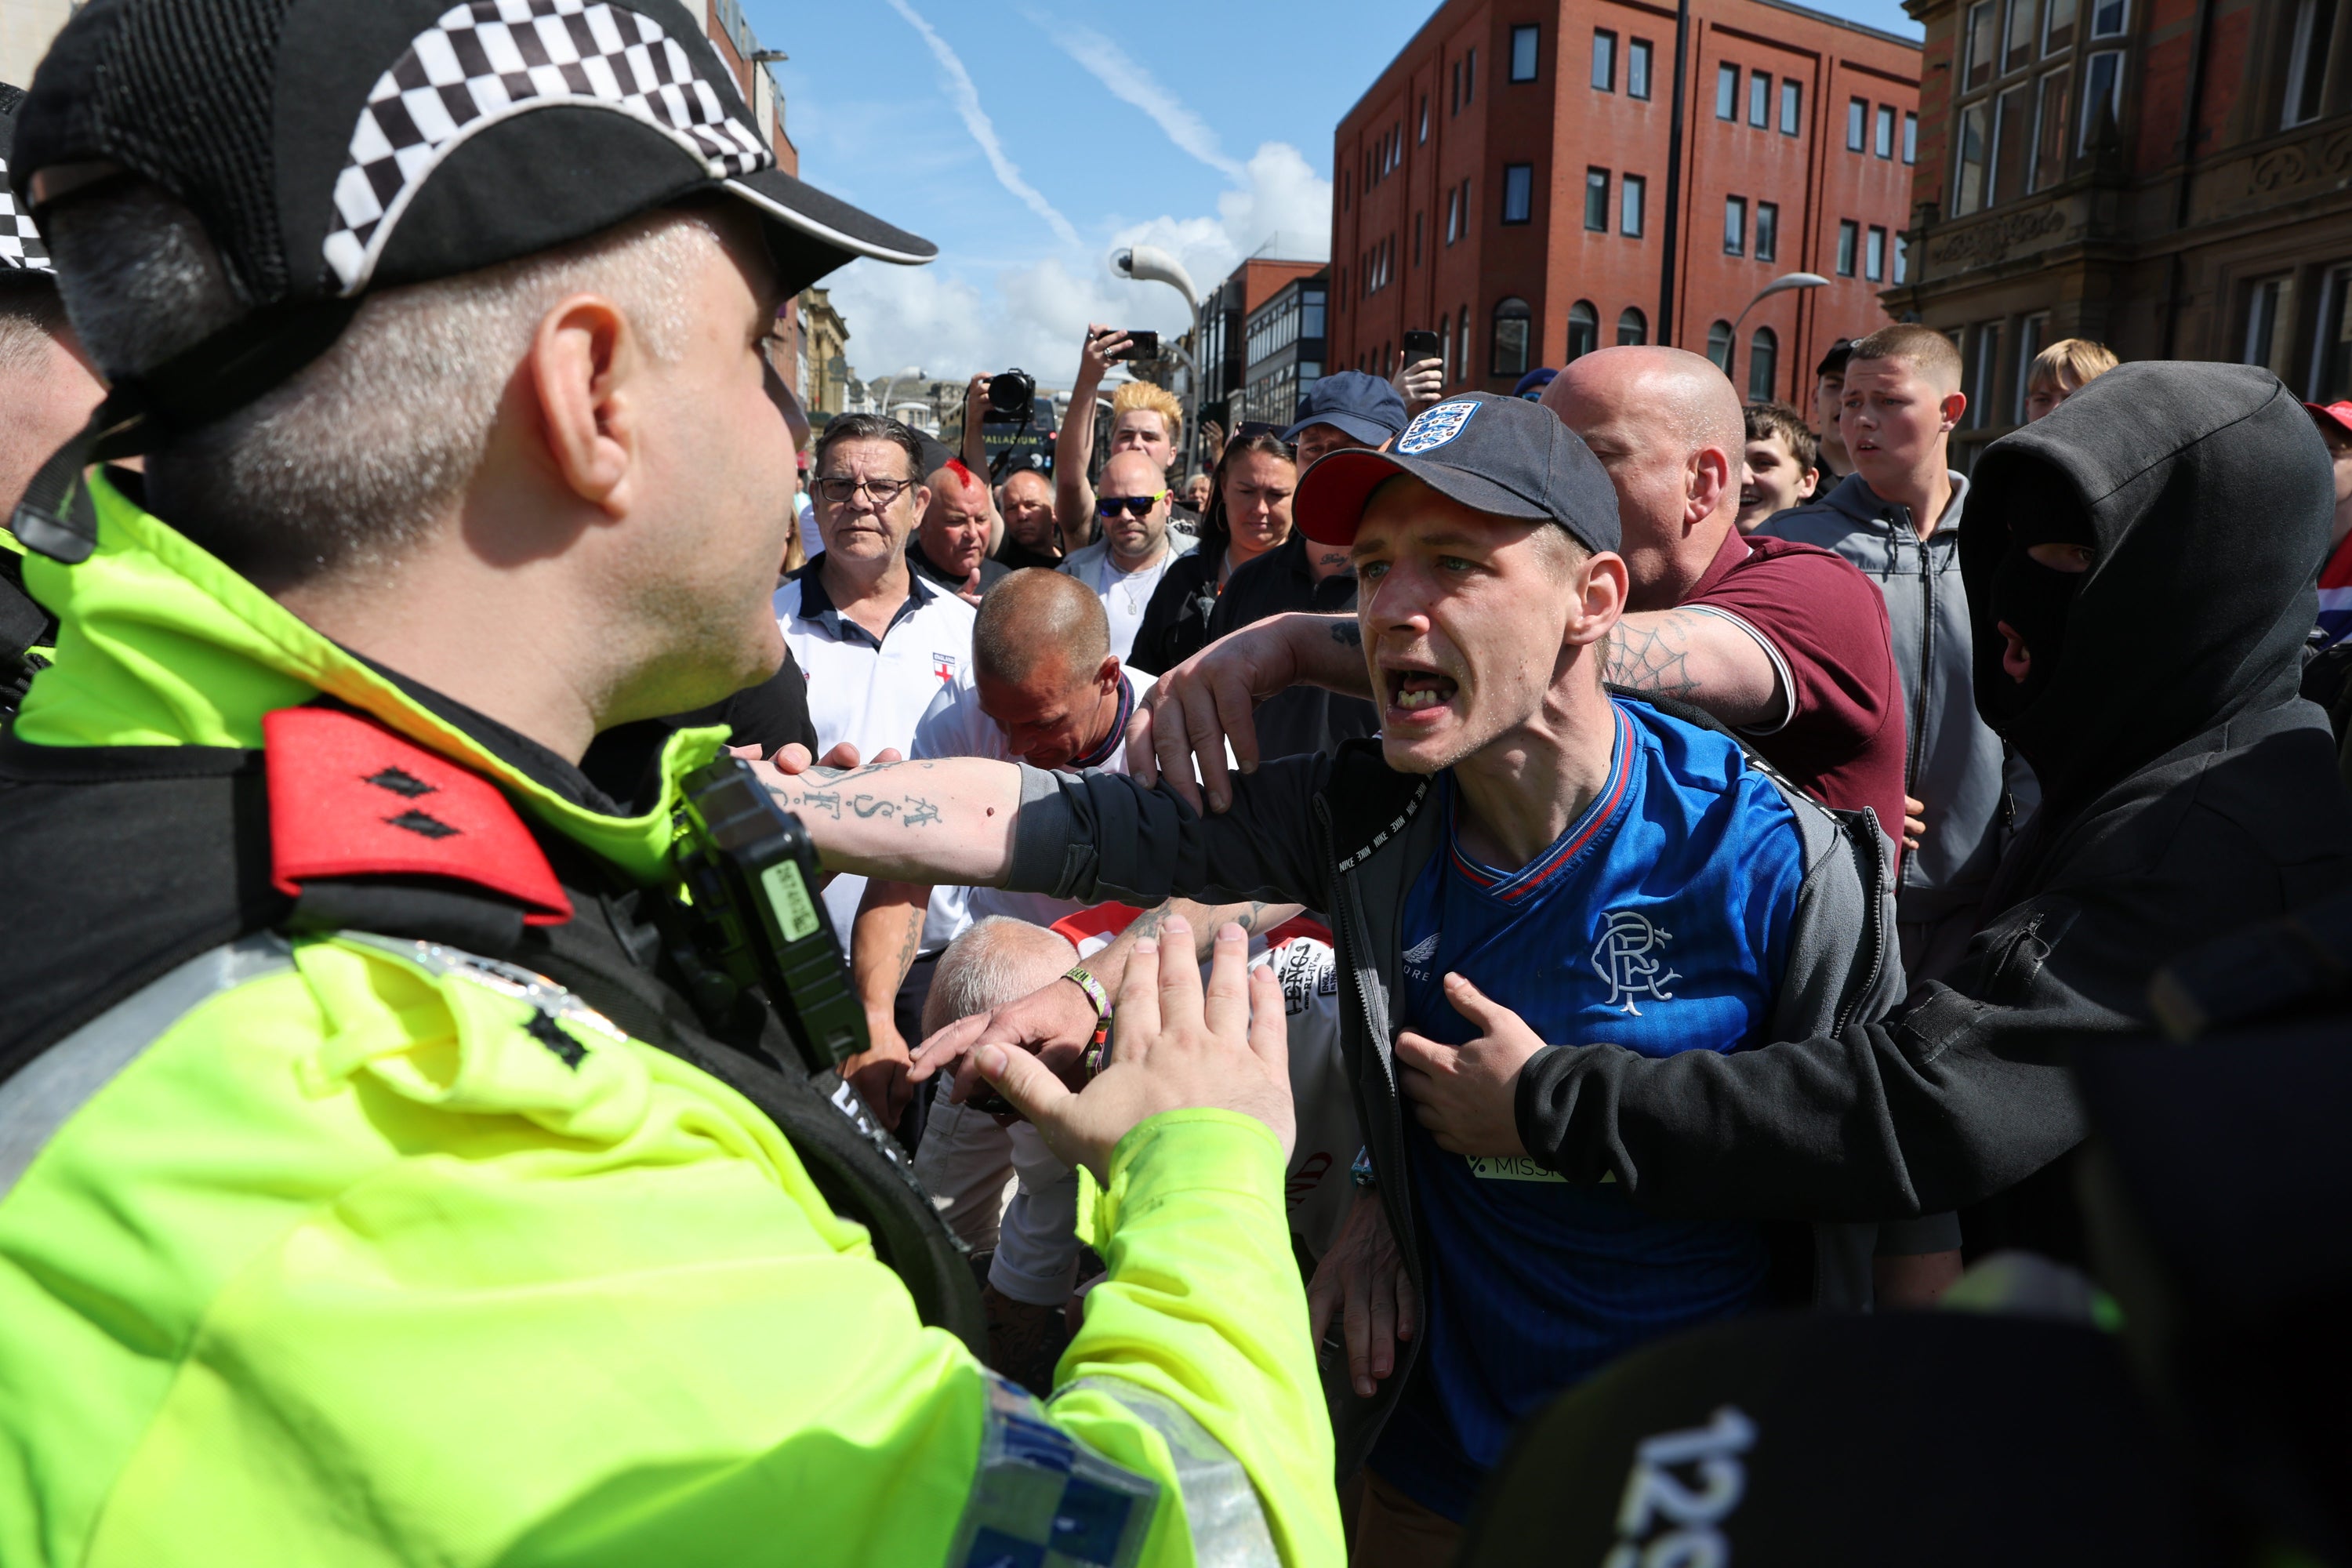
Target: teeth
1411, 701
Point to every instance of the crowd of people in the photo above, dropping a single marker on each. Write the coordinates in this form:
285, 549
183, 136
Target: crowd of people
603, 972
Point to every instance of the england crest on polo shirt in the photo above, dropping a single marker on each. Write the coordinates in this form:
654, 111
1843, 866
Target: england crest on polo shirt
1435, 427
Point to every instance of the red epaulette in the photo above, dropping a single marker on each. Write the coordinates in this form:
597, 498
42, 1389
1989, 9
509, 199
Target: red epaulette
350, 798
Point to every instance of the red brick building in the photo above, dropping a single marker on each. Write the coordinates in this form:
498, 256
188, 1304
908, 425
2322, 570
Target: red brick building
737, 45
2172, 177
1505, 184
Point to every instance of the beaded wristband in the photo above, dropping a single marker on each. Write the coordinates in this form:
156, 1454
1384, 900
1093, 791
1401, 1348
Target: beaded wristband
1091, 1059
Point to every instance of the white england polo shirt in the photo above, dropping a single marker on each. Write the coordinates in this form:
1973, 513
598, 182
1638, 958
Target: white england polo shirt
956, 726
871, 692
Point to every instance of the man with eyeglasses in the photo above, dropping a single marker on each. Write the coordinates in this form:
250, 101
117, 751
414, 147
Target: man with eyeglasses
1125, 565
878, 641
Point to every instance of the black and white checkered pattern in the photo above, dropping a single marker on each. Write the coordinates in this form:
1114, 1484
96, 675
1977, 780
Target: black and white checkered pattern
491, 59
20, 242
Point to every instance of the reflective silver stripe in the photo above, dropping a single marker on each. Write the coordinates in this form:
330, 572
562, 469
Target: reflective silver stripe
1229, 1527
42, 1095
1039, 1495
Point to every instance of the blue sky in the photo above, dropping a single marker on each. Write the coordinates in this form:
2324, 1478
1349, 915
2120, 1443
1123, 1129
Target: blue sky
1029, 138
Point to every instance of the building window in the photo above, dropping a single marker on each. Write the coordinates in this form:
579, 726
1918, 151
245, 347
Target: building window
1849, 237
1874, 255
1523, 54
1719, 346
2012, 143
1469, 76
1465, 343
1857, 114
1968, 182
1793, 105
2058, 27
1425, 118
1510, 356
1519, 192
1456, 108
1637, 69
2267, 306
1632, 328
1759, 98
1583, 331
1735, 226
1883, 142
2108, 16
1604, 62
1767, 231
1726, 92
2032, 337
1910, 138
1417, 239
1902, 260
1596, 200
1763, 363
1983, 403
2306, 62
1981, 44
2331, 359
1632, 189
2049, 132
2103, 88
1445, 347
1310, 315
2017, 41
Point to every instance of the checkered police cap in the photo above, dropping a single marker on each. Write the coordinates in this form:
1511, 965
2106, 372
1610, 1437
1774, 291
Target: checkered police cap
332, 147
21, 250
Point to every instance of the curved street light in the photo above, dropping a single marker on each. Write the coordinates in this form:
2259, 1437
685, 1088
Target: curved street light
1780, 285
1149, 264
912, 372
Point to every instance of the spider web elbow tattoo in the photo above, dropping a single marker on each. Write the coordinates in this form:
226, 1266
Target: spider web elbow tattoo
1650, 658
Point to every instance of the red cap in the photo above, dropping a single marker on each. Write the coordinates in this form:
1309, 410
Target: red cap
2336, 414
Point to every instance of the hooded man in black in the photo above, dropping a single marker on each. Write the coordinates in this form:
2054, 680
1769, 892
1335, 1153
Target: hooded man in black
2186, 790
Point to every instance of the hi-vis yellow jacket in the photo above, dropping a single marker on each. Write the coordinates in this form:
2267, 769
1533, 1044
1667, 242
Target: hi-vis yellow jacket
316, 1250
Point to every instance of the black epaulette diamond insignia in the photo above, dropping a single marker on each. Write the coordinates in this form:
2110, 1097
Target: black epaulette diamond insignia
418, 821
552, 1035
400, 782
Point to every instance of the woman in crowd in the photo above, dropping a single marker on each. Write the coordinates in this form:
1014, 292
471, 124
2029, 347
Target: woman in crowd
1249, 514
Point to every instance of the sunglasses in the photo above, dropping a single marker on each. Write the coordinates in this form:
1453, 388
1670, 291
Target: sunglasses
1134, 506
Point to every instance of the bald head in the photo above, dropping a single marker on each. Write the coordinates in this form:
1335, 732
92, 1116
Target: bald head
998, 960
1667, 426
1032, 613
1132, 473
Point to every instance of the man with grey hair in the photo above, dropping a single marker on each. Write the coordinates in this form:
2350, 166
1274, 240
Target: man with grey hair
497, 1220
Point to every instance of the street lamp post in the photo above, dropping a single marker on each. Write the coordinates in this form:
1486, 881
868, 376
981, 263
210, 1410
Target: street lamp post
1783, 284
882, 403
1147, 264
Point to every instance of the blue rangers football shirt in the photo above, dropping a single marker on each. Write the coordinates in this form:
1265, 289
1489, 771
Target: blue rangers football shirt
1657, 922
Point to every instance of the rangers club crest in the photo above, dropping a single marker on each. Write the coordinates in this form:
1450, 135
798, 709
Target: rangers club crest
1629, 958
1435, 426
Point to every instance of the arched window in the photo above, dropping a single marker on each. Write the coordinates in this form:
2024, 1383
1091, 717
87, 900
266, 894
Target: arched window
1719, 346
1583, 331
1633, 327
1763, 363
1510, 356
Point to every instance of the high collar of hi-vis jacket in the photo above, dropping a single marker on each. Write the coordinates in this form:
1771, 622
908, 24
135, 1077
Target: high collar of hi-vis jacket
2208, 497
158, 643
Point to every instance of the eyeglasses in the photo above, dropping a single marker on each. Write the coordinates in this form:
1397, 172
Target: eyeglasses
883, 491
1134, 506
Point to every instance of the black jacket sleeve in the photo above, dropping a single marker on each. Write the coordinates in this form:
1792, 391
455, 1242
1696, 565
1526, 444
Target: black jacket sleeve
1097, 835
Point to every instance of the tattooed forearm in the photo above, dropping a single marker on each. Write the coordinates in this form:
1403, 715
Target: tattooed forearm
909, 811
1651, 657
1347, 634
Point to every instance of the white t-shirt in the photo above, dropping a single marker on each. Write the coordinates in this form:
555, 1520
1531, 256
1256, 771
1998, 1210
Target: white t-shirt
811, 540
1126, 596
872, 694
956, 726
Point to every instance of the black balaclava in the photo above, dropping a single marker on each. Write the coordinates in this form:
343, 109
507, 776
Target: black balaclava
2207, 499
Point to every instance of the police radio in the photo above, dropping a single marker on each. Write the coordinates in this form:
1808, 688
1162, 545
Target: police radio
752, 874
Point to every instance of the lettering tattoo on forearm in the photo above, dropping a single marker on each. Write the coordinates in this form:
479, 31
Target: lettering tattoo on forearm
907, 810
1650, 657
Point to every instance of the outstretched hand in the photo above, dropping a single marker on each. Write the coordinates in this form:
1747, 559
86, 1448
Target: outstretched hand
1467, 1096
1196, 709
1172, 1049
1053, 1023
1363, 1278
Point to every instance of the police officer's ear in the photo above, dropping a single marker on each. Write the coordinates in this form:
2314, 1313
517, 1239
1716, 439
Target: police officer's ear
583, 369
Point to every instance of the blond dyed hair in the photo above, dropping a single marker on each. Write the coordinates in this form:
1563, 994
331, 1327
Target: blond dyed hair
2069, 364
1152, 398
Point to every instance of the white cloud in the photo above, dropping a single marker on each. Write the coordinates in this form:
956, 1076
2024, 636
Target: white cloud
965, 96
953, 320
1129, 81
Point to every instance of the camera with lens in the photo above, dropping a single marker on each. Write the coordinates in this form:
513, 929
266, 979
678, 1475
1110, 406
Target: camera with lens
1011, 397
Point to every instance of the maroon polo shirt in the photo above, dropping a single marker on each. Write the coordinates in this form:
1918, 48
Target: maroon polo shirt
1843, 739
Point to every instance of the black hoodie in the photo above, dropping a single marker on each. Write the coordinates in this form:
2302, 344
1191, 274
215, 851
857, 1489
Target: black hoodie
2188, 791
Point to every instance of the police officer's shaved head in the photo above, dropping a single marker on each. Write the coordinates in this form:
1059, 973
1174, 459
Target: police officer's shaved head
1035, 615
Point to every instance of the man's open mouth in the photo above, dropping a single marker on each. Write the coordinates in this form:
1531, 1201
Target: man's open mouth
1417, 689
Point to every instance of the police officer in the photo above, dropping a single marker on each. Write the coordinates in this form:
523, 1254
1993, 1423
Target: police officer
385, 1174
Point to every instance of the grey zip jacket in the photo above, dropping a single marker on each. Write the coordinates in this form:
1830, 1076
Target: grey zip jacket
1956, 762
1344, 834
